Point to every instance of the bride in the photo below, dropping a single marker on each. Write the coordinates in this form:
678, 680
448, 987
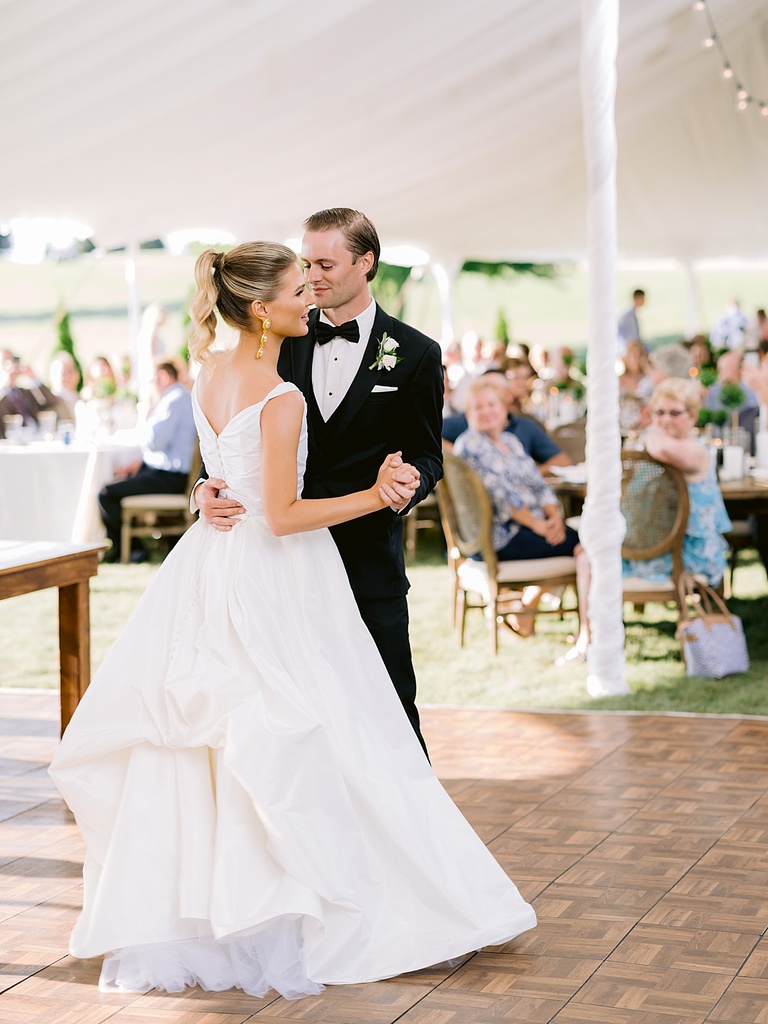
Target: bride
256, 808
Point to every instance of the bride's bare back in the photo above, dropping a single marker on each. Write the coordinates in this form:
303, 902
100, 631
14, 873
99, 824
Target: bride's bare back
230, 382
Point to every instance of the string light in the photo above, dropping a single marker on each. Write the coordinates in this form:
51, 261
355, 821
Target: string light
713, 42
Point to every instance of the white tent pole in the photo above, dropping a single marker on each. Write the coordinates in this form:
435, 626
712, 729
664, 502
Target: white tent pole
134, 311
443, 278
691, 300
602, 525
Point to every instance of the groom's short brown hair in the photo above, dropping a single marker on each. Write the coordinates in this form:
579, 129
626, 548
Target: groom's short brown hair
360, 234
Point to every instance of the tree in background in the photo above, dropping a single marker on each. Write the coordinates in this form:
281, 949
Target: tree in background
502, 329
387, 287
66, 343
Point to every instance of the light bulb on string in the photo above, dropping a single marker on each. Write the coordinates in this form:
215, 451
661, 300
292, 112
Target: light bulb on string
744, 98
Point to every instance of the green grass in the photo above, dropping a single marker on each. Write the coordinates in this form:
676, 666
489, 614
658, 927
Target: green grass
523, 674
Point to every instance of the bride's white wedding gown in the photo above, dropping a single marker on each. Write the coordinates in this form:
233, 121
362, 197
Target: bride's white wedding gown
256, 808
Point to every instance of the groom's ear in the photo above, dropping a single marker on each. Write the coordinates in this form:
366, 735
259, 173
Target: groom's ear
366, 262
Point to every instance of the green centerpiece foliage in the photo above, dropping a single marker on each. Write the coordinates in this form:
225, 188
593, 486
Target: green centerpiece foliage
704, 418
707, 376
732, 395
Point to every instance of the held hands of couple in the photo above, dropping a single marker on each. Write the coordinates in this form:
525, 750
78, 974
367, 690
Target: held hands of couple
395, 485
396, 482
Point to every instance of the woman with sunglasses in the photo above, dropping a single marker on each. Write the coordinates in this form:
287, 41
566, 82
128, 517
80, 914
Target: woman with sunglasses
674, 407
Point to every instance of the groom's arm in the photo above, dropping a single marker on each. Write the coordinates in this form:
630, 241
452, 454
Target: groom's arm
422, 443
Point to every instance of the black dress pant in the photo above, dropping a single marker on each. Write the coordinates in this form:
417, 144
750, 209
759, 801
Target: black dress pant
387, 622
146, 481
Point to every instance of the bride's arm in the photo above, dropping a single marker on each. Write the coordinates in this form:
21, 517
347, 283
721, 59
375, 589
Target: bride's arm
285, 513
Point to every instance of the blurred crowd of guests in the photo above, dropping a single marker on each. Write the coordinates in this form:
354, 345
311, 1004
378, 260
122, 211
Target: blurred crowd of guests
729, 367
493, 419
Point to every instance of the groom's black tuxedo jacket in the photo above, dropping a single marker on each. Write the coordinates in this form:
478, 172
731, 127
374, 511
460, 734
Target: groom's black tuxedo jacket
346, 451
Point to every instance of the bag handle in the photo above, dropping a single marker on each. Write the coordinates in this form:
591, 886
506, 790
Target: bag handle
688, 586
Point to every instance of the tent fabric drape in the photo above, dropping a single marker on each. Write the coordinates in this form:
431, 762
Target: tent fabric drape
602, 526
459, 133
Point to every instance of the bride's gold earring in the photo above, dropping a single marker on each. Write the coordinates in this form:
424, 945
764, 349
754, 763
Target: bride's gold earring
265, 325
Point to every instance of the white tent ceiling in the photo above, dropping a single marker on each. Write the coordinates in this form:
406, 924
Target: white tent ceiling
456, 126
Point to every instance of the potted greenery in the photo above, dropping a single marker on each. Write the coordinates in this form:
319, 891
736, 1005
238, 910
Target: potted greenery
733, 396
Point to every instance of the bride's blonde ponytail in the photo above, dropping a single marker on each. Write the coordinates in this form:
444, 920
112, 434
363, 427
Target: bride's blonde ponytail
203, 307
228, 283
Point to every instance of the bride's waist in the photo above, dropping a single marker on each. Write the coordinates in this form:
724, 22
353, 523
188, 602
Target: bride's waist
250, 502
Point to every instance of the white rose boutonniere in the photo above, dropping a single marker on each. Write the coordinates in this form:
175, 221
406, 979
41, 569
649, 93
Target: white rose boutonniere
386, 356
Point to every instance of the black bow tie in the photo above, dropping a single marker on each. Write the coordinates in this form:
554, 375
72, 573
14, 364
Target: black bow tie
327, 332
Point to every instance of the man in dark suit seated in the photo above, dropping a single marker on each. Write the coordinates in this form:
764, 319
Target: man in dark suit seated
168, 439
533, 437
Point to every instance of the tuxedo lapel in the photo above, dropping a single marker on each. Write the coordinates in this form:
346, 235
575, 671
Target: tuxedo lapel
303, 351
365, 379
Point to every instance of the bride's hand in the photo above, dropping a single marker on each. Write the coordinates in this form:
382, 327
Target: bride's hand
399, 483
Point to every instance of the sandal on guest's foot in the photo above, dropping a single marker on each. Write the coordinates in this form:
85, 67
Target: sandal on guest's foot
523, 627
576, 656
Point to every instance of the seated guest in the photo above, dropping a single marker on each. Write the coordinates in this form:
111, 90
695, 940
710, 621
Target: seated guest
701, 351
527, 520
730, 366
535, 440
519, 375
635, 369
65, 377
168, 439
671, 360
22, 393
100, 380
675, 405
634, 386
674, 410
756, 378
729, 371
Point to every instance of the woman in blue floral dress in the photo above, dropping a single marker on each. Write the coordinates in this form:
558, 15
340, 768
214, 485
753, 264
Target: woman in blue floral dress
674, 409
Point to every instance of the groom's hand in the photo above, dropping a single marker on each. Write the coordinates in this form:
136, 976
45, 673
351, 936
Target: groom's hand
216, 511
403, 486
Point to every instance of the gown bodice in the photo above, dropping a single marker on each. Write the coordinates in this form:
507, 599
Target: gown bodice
235, 454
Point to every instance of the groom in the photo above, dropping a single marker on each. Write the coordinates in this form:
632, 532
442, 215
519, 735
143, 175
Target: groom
373, 385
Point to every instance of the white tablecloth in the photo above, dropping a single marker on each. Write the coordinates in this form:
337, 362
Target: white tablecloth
48, 490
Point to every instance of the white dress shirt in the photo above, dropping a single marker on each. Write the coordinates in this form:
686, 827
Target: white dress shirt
335, 364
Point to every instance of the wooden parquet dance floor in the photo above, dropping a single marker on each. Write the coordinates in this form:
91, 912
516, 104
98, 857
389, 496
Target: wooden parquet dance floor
641, 841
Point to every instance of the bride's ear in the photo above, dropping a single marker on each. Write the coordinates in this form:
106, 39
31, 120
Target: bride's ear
259, 310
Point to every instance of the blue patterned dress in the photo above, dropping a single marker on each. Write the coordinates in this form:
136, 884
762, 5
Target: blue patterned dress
511, 478
704, 547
